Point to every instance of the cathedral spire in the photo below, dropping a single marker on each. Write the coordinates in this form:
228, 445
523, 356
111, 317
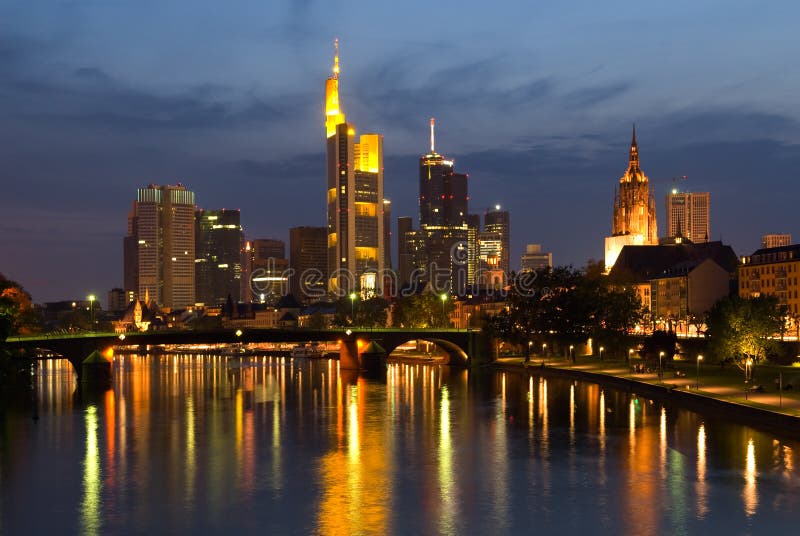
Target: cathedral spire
634, 153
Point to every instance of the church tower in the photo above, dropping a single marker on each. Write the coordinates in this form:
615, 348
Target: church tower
634, 221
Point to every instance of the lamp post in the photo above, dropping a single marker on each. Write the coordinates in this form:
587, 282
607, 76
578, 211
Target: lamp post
601, 353
444, 315
660, 373
91, 299
544, 350
353, 308
699, 358
572, 353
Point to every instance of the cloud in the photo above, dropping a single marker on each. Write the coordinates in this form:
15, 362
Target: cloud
591, 96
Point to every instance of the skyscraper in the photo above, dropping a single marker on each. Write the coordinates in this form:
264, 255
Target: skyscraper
308, 260
776, 240
405, 257
688, 215
497, 223
218, 263
634, 220
387, 234
162, 224
443, 214
354, 199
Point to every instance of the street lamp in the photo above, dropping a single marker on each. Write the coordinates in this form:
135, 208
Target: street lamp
601, 353
544, 350
571, 353
91, 298
353, 307
444, 315
660, 374
699, 358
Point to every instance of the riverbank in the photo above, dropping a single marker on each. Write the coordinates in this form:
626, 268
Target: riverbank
715, 392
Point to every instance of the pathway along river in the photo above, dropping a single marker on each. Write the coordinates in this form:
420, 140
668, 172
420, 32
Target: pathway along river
187, 444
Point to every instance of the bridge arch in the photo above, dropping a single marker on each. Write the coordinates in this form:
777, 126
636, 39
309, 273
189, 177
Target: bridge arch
454, 354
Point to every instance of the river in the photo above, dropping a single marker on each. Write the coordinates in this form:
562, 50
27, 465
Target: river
188, 444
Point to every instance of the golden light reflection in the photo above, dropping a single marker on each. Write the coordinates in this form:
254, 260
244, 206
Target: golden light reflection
662, 442
191, 455
750, 493
788, 462
702, 486
90, 505
572, 414
447, 494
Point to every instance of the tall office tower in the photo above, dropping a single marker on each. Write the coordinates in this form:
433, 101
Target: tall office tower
498, 223
443, 214
354, 200
405, 257
218, 263
535, 259
473, 252
308, 258
162, 222
266, 262
776, 240
688, 215
387, 234
130, 253
634, 221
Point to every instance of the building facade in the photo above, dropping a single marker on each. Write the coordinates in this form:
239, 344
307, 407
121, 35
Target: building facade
776, 240
535, 259
268, 270
218, 264
162, 224
688, 215
773, 272
308, 260
634, 219
355, 234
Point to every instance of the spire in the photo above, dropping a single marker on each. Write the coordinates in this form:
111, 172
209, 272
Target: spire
336, 58
634, 152
433, 122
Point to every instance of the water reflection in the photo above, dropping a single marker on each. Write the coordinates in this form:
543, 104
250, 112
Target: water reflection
189, 444
90, 505
750, 494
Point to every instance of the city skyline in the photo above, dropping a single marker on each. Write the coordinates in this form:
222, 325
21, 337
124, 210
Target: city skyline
86, 126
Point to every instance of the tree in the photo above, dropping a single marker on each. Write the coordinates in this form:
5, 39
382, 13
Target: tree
371, 312
16, 303
426, 310
743, 329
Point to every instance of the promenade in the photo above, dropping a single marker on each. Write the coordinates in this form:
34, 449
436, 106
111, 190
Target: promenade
725, 384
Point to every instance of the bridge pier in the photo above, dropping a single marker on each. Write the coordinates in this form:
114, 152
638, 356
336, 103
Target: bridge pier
348, 355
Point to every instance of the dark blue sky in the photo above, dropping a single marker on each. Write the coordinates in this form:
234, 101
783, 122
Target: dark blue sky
534, 99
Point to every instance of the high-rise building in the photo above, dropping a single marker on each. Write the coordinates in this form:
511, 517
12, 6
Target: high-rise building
117, 300
405, 257
775, 240
268, 267
634, 220
441, 241
535, 259
162, 223
473, 251
308, 252
497, 224
688, 215
218, 263
354, 199
387, 234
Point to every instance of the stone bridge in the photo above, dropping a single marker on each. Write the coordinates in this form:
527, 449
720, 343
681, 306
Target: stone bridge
463, 347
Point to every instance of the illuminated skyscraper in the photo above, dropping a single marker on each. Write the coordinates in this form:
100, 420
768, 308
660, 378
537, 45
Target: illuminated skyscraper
162, 223
443, 215
497, 223
634, 220
218, 267
354, 200
688, 215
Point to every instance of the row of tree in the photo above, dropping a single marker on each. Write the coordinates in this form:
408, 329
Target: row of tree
425, 310
567, 306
